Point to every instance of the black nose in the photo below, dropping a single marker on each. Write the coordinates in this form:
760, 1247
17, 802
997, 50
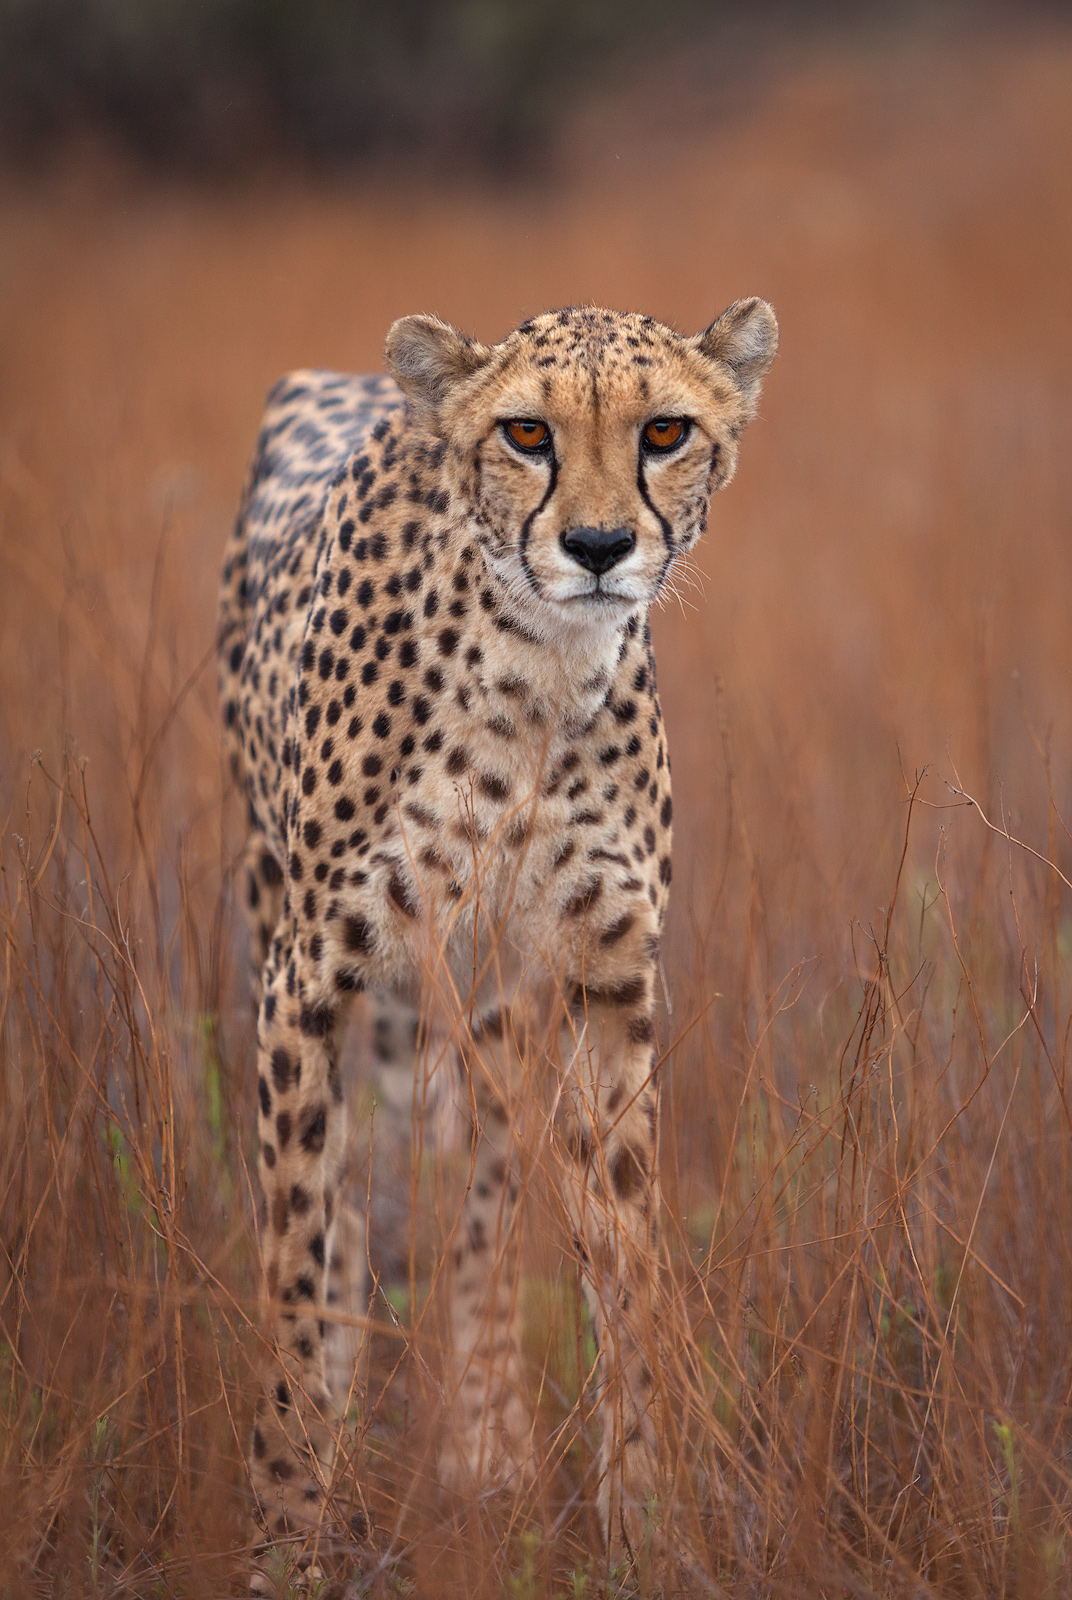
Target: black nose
598, 549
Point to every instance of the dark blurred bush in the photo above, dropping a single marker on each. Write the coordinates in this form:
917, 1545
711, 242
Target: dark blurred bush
220, 82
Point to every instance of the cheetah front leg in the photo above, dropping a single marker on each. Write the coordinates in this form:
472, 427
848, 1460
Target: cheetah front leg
347, 1300
612, 1195
489, 1439
302, 1131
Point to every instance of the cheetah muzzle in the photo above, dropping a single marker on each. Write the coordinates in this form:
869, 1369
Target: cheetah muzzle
440, 699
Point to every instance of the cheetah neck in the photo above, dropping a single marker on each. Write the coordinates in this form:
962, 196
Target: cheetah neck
567, 667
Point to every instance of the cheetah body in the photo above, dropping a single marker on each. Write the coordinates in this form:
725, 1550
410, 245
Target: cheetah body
400, 732
440, 697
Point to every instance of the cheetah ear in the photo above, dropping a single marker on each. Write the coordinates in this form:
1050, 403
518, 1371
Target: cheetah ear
744, 339
427, 358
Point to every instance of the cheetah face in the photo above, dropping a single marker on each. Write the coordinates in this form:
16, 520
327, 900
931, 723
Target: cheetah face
585, 447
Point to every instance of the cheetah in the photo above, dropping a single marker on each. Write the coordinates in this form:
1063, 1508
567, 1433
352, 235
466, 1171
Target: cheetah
440, 700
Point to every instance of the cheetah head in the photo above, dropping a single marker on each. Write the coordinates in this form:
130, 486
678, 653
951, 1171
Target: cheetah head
585, 447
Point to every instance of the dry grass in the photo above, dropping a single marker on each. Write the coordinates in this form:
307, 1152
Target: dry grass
866, 1135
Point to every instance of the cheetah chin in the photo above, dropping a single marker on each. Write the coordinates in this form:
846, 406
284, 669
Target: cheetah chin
440, 700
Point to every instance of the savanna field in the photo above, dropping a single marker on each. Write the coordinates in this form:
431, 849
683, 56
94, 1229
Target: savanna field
866, 671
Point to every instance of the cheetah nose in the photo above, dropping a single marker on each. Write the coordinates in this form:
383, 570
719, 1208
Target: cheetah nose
598, 549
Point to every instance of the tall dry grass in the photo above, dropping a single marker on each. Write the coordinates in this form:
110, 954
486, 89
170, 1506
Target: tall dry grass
866, 1128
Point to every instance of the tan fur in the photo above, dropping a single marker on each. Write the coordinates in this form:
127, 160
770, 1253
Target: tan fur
450, 737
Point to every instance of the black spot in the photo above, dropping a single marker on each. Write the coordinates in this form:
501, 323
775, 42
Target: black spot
282, 1068
400, 894
316, 1021
357, 935
478, 1236
640, 1030
359, 1525
585, 897
617, 930
628, 1172
265, 1096
314, 1129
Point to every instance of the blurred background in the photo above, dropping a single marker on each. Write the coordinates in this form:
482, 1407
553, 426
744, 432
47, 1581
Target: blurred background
224, 85
866, 1132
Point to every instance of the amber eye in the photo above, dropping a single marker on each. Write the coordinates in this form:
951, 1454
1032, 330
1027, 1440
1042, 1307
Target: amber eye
664, 433
528, 435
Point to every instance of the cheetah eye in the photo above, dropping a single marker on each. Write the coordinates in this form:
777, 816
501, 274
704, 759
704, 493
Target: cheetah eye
533, 437
665, 433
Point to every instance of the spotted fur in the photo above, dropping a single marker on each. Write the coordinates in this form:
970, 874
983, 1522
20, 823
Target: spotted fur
441, 703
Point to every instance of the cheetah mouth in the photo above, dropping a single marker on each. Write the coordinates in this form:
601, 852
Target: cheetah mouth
599, 598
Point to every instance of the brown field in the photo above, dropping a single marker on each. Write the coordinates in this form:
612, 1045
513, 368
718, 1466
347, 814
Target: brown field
867, 1130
